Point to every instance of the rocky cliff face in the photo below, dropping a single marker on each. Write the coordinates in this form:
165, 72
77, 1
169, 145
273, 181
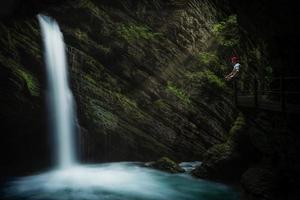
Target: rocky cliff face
142, 88
262, 151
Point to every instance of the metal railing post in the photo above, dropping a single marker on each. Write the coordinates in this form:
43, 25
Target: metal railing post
235, 92
282, 94
255, 93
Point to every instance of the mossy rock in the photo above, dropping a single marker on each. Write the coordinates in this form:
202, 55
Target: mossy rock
217, 163
238, 126
206, 82
32, 83
227, 32
229, 160
133, 32
167, 165
180, 93
162, 105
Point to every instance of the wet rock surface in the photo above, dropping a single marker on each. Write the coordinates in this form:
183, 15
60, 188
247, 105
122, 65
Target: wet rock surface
166, 164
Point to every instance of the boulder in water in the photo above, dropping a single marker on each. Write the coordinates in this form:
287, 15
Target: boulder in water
165, 164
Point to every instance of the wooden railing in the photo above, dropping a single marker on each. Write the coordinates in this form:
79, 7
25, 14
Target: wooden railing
270, 97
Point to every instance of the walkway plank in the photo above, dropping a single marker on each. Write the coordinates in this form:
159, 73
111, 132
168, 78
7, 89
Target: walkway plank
266, 104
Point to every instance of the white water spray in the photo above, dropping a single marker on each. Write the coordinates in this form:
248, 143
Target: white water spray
60, 97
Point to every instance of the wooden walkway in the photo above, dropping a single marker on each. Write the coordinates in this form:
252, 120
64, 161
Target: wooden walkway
279, 100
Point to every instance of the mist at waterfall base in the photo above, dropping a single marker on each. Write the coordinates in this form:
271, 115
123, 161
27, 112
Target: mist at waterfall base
113, 181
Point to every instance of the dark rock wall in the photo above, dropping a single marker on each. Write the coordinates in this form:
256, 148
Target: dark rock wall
261, 154
276, 23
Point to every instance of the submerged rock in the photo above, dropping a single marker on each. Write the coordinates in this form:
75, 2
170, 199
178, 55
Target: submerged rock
166, 164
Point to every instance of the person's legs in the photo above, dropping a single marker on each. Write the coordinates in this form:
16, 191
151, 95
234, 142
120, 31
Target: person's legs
232, 75
235, 74
228, 76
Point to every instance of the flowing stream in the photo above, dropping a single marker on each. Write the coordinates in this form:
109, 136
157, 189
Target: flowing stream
113, 181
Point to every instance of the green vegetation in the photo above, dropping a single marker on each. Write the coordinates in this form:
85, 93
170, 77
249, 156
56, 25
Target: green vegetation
256, 58
133, 32
31, 82
161, 104
211, 61
120, 104
129, 106
90, 79
227, 32
238, 125
208, 58
166, 164
179, 93
207, 79
218, 151
107, 119
206, 82
268, 73
80, 35
221, 152
91, 7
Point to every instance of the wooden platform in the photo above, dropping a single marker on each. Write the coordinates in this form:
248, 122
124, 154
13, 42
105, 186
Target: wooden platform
266, 104
256, 96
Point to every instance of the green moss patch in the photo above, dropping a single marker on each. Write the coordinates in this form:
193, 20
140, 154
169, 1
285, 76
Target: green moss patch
90, 79
132, 32
208, 58
227, 32
179, 93
80, 35
167, 165
92, 8
207, 80
30, 80
238, 126
99, 115
211, 60
161, 104
129, 106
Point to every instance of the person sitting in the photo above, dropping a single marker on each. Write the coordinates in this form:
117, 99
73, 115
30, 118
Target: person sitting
235, 70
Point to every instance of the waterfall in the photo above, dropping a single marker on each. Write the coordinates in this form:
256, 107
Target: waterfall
60, 98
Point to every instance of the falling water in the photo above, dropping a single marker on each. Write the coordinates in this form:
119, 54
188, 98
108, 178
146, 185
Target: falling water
60, 97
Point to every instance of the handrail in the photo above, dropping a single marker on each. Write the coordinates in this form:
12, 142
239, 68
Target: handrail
287, 77
270, 91
278, 78
256, 91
